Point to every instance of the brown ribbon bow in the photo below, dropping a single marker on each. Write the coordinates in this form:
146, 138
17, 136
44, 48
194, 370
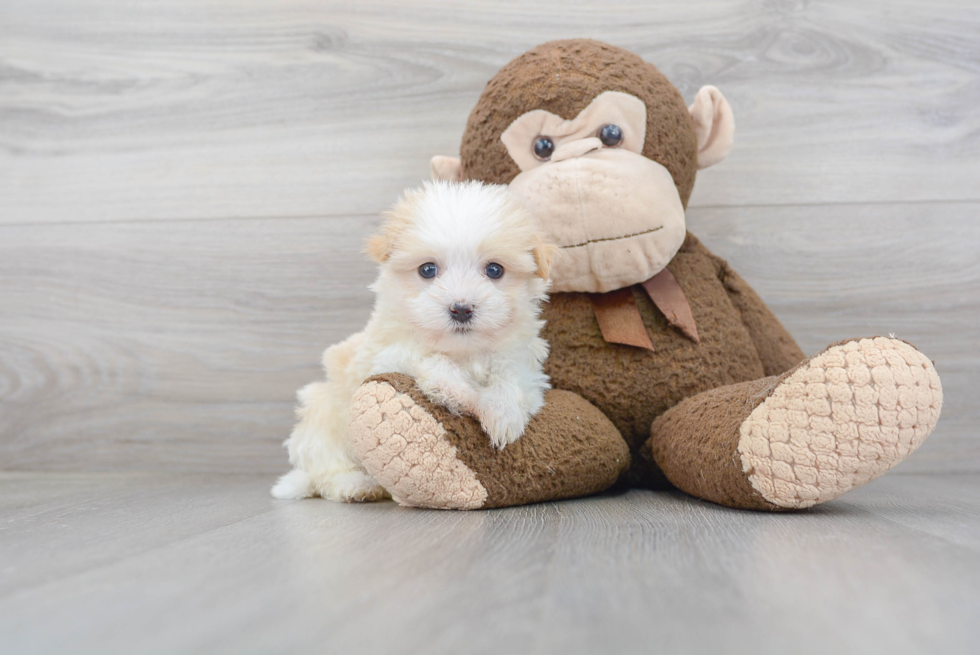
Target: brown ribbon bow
619, 317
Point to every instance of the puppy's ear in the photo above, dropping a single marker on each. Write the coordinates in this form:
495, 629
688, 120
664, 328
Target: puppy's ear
544, 257
378, 247
395, 223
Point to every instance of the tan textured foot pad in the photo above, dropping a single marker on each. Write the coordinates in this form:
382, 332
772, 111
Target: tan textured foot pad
841, 419
406, 449
427, 457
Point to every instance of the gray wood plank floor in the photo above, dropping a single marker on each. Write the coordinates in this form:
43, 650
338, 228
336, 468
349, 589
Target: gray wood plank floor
170, 563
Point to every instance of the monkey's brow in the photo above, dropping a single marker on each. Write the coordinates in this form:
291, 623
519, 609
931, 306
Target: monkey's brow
625, 236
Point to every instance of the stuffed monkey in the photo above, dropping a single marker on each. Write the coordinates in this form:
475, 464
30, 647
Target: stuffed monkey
664, 362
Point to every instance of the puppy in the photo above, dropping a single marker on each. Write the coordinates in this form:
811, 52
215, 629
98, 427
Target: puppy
462, 277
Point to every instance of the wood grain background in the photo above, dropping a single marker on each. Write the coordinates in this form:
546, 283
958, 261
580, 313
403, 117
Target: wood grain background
185, 185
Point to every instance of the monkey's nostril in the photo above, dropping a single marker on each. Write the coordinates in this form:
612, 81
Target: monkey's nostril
461, 312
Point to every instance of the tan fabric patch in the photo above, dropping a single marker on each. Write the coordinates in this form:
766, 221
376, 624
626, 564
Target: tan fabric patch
622, 109
669, 298
414, 451
619, 318
842, 419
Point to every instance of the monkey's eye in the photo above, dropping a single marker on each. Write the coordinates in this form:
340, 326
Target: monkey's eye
543, 147
610, 135
428, 270
494, 271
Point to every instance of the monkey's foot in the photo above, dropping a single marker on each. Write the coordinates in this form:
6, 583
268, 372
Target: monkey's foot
838, 420
425, 456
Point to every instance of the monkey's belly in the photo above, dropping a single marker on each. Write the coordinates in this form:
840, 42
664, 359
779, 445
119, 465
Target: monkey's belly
633, 386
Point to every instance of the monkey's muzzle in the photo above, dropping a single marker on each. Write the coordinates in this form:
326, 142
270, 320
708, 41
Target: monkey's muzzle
615, 214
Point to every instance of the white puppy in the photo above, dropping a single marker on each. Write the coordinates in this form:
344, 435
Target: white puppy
462, 277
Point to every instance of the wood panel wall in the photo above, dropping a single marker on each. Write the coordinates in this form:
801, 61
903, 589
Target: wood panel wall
185, 185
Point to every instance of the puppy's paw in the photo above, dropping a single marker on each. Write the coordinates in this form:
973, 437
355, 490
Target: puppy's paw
352, 486
294, 485
346, 486
455, 395
504, 425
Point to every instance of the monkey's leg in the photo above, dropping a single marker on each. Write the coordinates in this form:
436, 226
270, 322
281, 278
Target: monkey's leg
425, 456
838, 420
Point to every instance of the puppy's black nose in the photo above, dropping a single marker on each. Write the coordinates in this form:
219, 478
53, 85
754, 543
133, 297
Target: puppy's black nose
461, 312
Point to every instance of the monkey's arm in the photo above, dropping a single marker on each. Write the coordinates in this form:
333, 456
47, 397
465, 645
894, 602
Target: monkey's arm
777, 349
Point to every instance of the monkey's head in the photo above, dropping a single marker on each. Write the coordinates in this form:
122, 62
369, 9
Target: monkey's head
602, 150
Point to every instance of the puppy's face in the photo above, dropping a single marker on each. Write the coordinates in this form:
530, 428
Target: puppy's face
462, 263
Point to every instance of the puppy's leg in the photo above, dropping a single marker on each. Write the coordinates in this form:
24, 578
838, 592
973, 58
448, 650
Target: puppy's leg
294, 485
319, 446
501, 415
350, 486
444, 383
320, 452
515, 394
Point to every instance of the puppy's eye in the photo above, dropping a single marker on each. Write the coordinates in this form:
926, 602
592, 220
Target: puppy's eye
428, 270
494, 271
543, 147
610, 135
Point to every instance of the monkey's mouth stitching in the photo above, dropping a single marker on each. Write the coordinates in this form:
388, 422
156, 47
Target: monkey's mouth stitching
625, 236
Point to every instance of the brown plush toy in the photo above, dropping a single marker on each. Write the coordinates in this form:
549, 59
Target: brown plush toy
665, 363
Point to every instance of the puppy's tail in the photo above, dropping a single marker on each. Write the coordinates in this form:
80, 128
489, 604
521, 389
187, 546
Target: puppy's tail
294, 485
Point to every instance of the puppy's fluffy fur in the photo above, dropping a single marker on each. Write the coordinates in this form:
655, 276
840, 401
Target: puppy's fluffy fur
487, 364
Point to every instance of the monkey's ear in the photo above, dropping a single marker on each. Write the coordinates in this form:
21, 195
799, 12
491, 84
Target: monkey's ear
449, 169
714, 124
544, 257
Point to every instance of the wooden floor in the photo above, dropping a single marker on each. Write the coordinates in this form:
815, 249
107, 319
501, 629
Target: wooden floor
145, 563
184, 190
